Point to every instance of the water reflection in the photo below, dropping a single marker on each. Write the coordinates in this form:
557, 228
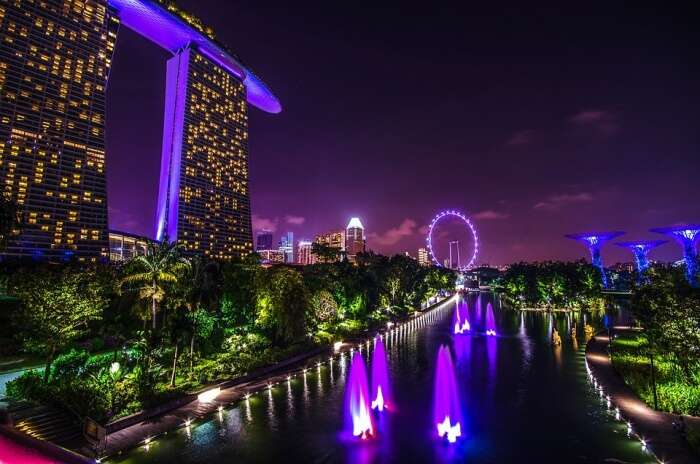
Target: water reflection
504, 381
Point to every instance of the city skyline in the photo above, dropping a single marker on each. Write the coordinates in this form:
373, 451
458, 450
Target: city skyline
495, 139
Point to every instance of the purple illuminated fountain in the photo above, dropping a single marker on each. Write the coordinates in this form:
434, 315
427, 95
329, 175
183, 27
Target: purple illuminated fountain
357, 400
447, 409
381, 390
490, 321
460, 321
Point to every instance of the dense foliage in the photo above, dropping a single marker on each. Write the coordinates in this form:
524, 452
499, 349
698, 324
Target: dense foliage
668, 309
117, 339
574, 285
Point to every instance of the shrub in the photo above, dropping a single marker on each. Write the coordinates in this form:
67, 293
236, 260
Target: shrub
29, 386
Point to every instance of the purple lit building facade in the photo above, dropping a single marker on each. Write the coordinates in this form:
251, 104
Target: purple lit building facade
55, 57
203, 201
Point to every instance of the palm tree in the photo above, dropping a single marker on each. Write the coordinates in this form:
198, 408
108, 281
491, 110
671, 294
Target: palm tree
161, 265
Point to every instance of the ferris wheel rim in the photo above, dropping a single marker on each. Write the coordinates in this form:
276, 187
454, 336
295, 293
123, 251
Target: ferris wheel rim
470, 226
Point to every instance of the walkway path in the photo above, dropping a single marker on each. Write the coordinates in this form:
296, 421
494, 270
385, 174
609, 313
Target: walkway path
231, 392
655, 427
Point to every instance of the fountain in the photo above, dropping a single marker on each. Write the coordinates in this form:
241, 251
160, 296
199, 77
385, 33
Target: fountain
490, 321
381, 390
447, 414
460, 321
357, 403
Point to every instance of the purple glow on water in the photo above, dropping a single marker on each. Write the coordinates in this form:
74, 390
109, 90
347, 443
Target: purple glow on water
381, 390
447, 409
490, 321
357, 400
460, 319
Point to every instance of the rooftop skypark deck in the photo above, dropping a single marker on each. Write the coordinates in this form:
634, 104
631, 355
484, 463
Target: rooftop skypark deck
172, 32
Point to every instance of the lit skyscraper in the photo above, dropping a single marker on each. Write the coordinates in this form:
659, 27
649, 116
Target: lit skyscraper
203, 201
286, 246
304, 255
55, 58
354, 238
263, 240
335, 239
423, 258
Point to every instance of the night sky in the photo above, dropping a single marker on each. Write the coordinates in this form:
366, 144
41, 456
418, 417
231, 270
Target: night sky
535, 122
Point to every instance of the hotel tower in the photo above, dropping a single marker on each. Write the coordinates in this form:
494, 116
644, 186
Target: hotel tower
55, 58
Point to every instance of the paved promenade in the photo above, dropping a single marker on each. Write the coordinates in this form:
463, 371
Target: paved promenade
234, 391
655, 427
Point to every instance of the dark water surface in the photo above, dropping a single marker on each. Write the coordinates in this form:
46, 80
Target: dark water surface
523, 400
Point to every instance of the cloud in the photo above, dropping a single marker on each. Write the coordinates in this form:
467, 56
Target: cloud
603, 121
395, 234
423, 230
260, 223
294, 220
556, 202
490, 214
522, 137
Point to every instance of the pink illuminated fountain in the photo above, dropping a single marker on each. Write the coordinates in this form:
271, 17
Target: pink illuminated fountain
460, 321
490, 321
357, 400
381, 390
447, 413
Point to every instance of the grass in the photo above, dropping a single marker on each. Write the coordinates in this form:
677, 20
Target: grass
675, 393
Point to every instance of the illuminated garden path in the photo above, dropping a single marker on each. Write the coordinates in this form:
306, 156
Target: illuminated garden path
654, 427
523, 401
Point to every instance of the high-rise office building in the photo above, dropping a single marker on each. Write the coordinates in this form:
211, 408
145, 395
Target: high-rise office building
272, 256
304, 255
203, 201
55, 58
334, 239
354, 238
423, 258
263, 240
286, 246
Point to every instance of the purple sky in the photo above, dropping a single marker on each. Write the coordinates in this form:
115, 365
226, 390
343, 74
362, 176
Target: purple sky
535, 122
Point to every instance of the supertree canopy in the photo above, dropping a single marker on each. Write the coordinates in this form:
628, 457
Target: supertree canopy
594, 241
640, 249
688, 236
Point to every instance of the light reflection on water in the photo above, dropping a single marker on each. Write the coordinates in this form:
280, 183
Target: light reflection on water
523, 400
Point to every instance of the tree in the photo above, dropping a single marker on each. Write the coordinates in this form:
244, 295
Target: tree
668, 308
152, 272
325, 253
9, 220
57, 307
282, 305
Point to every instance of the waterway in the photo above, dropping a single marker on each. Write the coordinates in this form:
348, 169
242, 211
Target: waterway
523, 400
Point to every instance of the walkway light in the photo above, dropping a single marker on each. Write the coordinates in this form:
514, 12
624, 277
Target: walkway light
209, 395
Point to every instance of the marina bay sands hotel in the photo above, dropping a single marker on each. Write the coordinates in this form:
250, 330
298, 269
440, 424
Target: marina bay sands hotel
55, 59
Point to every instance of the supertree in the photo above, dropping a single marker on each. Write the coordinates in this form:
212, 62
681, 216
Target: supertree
687, 236
594, 241
640, 249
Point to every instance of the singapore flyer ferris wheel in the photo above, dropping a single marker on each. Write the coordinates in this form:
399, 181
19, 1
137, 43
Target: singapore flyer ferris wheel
467, 226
